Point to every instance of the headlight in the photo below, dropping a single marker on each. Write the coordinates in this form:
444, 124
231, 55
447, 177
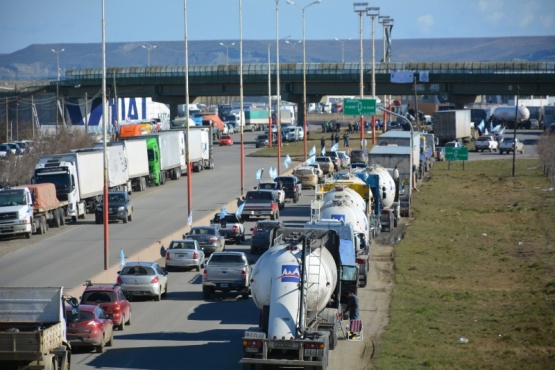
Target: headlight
121, 209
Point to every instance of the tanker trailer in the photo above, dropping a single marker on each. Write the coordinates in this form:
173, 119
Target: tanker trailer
511, 116
296, 284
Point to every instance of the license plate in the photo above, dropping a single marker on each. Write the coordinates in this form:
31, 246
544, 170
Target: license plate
284, 345
223, 285
251, 349
180, 255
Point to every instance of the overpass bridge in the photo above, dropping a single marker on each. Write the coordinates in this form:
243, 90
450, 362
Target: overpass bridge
455, 82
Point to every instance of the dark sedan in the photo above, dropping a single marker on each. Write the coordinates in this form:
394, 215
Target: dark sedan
208, 237
119, 208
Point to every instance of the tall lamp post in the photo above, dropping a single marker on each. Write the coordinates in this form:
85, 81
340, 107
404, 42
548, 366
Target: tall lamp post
148, 48
303, 8
342, 48
57, 52
242, 114
104, 140
293, 45
360, 8
187, 152
384, 20
373, 12
227, 51
278, 103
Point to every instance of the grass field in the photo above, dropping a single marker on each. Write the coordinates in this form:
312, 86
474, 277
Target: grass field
477, 262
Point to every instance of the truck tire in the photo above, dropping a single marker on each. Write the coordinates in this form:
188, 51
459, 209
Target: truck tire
43, 225
125, 219
56, 218
211, 165
62, 217
206, 292
130, 217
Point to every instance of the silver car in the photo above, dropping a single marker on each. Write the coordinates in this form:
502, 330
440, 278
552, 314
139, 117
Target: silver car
184, 253
208, 238
143, 279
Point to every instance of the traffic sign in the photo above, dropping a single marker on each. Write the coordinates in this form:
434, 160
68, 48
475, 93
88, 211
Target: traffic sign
359, 107
456, 154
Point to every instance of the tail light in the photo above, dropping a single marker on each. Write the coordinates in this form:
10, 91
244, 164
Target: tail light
252, 343
119, 281
195, 255
204, 275
274, 206
168, 257
117, 307
93, 324
254, 231
313, 345
244, 274
294, 186
154, 280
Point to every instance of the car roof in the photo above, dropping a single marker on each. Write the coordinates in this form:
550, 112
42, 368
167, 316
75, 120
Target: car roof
85, 307
204, 227
140, 263
102, 287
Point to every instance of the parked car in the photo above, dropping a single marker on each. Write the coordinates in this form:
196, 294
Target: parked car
260, 239
307, 176
359, 155
184, 254
111, 299
120, 207
143, 279
93, 328
345, 159
509, 145
208, 237
14, 148
5, 150
326, 163
292, 187
226, 140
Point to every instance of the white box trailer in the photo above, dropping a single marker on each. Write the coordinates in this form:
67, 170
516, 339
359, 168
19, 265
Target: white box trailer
137, 162
452, 125
402, 138
200, 148
118, 175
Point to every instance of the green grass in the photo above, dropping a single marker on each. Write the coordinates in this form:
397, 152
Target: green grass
478, 261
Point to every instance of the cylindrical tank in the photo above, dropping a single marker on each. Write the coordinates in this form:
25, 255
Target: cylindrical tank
345, 194
346, 213
276, 281
386, 182
508, 113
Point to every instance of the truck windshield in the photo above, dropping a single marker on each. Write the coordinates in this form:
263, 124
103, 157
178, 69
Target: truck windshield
12, 198
349, 273
62, 181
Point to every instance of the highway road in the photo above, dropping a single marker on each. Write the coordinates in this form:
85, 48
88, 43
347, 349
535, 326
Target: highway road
183, 330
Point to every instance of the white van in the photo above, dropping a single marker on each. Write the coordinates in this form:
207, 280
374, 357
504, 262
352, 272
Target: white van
293, 133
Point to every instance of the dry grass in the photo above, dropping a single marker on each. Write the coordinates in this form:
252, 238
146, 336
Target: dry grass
478, 262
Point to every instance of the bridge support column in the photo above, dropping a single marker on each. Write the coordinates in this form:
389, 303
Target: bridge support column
173, 111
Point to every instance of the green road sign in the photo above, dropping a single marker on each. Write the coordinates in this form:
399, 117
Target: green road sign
456, 154
359, 107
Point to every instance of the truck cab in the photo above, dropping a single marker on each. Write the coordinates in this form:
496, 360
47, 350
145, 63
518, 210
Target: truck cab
16, 211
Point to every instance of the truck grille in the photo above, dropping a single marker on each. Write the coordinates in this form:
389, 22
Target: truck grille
8, 216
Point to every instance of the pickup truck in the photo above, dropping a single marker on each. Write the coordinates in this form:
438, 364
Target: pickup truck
292, 187
486, 143
226, 272
508, 145
230, 226
274, 187
260, 204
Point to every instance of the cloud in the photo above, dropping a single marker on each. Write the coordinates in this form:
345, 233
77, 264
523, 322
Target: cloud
527, 14
426, 22
492, 9
547, 21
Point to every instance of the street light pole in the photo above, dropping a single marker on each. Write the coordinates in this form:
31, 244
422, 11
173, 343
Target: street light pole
241, 114
293, 45
269, 101
373, 12
360, 8
104, 141
305, 136
342, 49
187, 152
278, 103
148, 48
227, 51
384, 20
58, 61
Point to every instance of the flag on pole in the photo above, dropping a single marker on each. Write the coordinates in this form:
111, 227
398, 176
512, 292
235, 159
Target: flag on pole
311, 160
490, 126
223, 212
486, 132
323, 152
273, 172
481, 126
502, 131
259, 174
287, 161
335, 147
312, 151
122, 258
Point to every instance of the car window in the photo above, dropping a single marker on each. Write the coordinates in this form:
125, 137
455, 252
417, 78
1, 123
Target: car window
137, 270
177, 245
98, 297
267, 226
100, 313
226, 258
159, 270
267, 186
305, 171
115, 197
83, 315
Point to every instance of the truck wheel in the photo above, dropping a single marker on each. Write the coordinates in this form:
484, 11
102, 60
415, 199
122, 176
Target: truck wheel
97, 220
296, 199
273, 216
130, 217
206, 293
42, 227
27, 235
125, 219
56, 218
62, 217
74, 219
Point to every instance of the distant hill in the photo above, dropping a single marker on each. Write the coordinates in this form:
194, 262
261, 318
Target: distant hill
38, 62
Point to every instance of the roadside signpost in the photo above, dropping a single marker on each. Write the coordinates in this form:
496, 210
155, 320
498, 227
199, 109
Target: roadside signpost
359, 107
456, 154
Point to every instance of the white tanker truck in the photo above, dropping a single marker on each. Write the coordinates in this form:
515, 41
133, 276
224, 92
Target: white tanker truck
511, 116
297, 284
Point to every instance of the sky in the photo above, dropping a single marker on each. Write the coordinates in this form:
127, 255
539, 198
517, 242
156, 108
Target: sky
27, 22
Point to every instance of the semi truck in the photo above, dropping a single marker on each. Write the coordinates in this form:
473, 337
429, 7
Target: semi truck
398, 162
298, 285
383, 187
78, 178
452, 125
256, 119
201, 156
30, 209
166, 155
511, 116
403, 138
33, 328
